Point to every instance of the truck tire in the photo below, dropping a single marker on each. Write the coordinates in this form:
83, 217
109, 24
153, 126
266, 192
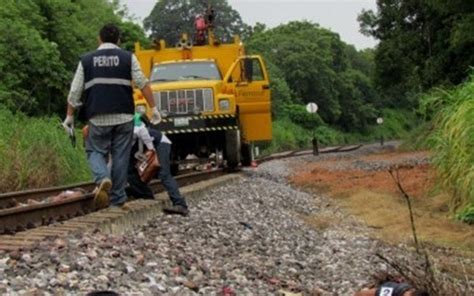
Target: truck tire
232, 142
246, 154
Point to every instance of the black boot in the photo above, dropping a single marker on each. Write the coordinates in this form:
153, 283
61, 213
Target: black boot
176, 210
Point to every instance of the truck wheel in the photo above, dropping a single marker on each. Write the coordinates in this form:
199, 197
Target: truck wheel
232, 140
246, 155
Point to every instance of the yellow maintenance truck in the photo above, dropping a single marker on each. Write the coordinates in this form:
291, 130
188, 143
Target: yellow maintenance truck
214, 99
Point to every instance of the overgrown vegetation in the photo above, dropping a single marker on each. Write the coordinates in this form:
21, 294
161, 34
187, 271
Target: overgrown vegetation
289, 133
308, 63
36, 152
41, 44
452, 138
422, 44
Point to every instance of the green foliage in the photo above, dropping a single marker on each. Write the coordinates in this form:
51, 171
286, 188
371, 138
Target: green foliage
466, 215
422, 44
30, 65
312, 64
298, 114
329, 136
452, 139
397, 123
288, 136
171, 18
36, 152
41, 44
281, 93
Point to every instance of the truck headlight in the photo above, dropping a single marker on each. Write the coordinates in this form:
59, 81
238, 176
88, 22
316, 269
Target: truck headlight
140, 109
224, 105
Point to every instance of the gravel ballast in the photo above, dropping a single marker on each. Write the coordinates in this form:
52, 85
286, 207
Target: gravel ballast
248, 237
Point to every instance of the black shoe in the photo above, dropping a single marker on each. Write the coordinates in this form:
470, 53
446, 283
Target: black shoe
176, 210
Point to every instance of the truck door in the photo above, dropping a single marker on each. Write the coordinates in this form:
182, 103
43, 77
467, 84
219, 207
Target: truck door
248, 80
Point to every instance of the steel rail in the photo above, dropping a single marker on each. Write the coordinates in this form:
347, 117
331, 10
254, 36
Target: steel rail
20, 218
7, 200
11, 199
284, 155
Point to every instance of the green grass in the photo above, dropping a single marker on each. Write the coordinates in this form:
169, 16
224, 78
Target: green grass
288, 135
36, 152
451, 137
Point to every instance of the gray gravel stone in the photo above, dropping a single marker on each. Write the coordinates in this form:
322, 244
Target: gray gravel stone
247, 238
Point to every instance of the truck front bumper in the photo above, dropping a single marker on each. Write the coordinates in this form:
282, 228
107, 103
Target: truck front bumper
198, 124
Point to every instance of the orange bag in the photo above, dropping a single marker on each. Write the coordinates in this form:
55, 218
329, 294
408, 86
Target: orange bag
148, 166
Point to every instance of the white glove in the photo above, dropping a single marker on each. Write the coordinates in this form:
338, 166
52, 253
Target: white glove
155, 116
68, 123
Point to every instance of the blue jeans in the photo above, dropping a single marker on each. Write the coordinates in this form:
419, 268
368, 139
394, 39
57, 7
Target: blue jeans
141, 190
115, 140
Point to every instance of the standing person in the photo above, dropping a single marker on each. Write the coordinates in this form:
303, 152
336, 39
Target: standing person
155, 140
105, 76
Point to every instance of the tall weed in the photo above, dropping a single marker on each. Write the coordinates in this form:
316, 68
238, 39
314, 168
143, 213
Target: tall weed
36, 152
452, 138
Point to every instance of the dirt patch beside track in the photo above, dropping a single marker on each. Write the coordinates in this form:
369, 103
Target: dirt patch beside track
362, 185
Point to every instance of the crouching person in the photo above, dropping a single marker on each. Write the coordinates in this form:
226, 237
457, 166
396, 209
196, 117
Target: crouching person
154, 140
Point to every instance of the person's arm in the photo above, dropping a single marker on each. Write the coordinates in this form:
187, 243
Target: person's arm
142, 133
74, 97
142, 83
148, 94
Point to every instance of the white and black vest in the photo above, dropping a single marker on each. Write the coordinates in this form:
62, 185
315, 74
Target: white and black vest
107, 83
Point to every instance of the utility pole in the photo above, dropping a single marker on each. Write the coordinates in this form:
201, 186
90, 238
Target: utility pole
380, 122
313, 108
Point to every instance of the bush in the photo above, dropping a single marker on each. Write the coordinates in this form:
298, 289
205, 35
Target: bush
397, 123
36, 152
329, 136
288, 136
297, 113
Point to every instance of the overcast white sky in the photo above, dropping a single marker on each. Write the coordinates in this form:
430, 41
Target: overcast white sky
338, 15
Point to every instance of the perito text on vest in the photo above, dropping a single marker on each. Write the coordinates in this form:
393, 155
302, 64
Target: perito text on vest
106, 61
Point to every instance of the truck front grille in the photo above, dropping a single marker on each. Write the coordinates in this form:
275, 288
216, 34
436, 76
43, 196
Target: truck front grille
185, 101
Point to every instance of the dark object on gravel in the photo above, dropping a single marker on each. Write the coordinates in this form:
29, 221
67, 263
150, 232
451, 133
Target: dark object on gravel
392, 289
102, 293
246, 225
176, 210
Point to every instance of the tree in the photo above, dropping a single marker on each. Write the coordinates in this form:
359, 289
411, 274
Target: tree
422, 44
171, 18
317, 67
31, 68
40, 52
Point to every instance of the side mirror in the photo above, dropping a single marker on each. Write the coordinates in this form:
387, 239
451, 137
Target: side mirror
248, 69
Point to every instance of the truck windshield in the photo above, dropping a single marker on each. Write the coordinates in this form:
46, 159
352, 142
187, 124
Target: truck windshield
185, 71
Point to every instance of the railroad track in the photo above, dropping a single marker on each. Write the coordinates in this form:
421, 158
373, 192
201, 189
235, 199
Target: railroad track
20, 218
16, 214
296, 153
